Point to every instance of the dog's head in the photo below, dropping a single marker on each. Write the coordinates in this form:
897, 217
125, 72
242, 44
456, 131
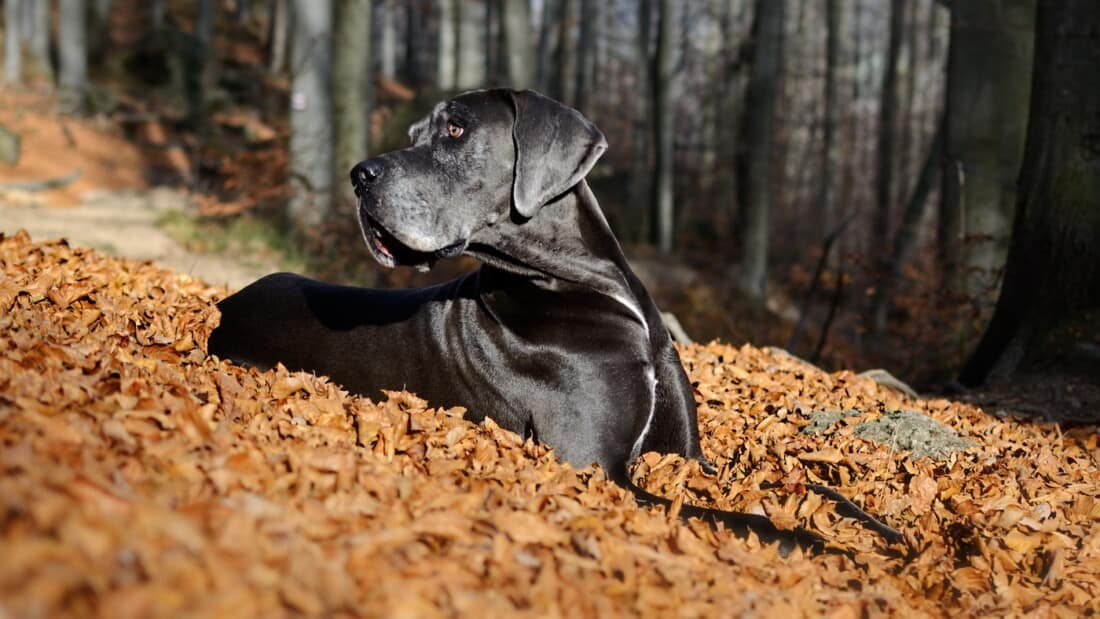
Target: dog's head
475, 160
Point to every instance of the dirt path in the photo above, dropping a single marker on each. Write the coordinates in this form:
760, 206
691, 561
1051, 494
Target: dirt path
124, 223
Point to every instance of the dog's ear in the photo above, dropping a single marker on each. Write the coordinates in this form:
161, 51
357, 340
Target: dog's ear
555, 147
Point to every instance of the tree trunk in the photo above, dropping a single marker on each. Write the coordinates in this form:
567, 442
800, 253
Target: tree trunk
414, 33
637, 225
664, 121
72, 55
278, 31
388, 44
835, 34
547, 30
13, 57
471, 45
310, 114
755, 160
518, 39
1054, 255
40, 35
447, 57
908, 231
988, 83
563, 52
351, 81
887, 111
202, 78
586, 57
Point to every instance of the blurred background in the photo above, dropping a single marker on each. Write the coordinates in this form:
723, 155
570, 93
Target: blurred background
840, 178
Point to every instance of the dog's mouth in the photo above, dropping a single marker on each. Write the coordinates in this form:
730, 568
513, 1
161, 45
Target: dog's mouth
391, 252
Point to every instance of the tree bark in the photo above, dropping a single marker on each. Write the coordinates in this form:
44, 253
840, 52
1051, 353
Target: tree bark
887, 112
563, 52
586, 57
471, 45
310, 114
547, 30
278, 33
13, 57
72, 55
835, 34
518, 39
388, 45
414, 33
447, 56
351, 81
1054, 256
637, 225
664, 121
755, 160
988, 84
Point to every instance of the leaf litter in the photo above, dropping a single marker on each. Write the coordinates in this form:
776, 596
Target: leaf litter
141, 477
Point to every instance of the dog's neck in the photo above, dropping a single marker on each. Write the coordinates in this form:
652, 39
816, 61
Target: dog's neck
575, 232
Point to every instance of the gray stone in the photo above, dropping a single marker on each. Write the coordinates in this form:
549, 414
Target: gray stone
919, 434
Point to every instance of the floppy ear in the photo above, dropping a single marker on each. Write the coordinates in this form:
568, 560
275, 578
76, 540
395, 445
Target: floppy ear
555, 147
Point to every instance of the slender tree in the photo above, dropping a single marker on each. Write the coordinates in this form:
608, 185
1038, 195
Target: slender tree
519, 43
470, 71
835, 34
351, 82
637, 223
585, 57
447, 54
277, 35
664, 116
414, 34
1054, 258
755, 159
310, 113
988, 83
72, 54
13, 57
885, 151
387, 47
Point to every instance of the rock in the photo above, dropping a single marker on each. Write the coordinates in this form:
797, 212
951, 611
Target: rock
919, 434
9, 146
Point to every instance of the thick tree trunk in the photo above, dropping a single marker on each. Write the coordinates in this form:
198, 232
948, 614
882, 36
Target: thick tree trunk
988, 84
13, 56
518, 40
885, 153
310, 114
1054, 257
755, 159
664, 121
351, 81
547, 29
72, 55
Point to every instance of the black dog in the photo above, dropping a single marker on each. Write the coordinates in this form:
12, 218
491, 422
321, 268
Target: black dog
554, 337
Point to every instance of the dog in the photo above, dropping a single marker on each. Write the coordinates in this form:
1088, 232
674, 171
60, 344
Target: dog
554, 337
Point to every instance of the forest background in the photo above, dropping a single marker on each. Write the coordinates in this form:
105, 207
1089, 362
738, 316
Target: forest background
837, 177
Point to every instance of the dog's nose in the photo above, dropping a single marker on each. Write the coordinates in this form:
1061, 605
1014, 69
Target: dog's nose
366, 171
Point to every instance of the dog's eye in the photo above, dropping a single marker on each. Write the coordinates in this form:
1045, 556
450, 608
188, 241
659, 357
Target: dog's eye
454, 131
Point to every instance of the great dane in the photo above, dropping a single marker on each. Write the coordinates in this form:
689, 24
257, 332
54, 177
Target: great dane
554, 337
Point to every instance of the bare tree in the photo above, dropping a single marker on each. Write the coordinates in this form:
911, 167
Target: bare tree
470, 72
664, 116
351, 81
38, 34
885, 153
310, 113
585, 56
755, 159
277, 34
387, 47
520, 43
448, 54
72, 54
13, 57
1054, 258
641, 132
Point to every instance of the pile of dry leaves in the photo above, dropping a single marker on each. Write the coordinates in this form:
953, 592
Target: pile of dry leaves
140, 477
